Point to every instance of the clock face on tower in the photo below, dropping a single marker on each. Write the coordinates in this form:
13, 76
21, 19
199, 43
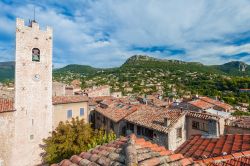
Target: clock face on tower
36, 77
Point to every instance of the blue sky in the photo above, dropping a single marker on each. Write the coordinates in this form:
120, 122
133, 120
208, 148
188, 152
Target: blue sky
104, 33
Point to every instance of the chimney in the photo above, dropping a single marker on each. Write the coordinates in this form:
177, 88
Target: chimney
166, 122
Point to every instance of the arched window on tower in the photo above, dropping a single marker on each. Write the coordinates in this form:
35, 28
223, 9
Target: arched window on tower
36, 55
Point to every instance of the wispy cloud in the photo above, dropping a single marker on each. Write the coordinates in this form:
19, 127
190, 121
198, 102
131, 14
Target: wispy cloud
103, 33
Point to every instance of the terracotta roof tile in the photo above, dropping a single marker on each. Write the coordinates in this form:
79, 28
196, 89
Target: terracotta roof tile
115, 109
202, 115
199, 147
68, 99
153, 118
6, 105
201, 104
242, 122
217, 103
128, 151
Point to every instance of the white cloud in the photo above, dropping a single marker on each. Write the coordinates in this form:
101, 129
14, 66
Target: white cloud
101, 33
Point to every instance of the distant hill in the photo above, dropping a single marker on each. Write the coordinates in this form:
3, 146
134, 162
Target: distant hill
7, 70
74, 68
143, 61
234, 68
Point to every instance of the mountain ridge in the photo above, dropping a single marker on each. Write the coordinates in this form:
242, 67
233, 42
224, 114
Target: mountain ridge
233, 68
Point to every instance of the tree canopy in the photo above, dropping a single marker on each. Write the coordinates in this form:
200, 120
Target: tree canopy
71, 138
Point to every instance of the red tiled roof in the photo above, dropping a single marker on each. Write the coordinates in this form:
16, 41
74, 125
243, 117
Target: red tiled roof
217, 103
68, 99
235, 159
116, 110
96, 100
153, 118
201, 104
6, 105
200, 148
243, 122
127, 151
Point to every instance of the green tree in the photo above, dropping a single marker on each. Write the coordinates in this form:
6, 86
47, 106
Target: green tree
71, 138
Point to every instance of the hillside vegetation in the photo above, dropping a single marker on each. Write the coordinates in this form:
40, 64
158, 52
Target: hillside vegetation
173, 78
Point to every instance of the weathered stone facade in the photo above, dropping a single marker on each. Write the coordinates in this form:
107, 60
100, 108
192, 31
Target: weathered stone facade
236, 130
205, 127
118, 128
33, 93
6, 136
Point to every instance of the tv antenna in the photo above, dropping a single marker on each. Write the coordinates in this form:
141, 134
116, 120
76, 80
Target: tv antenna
34, 19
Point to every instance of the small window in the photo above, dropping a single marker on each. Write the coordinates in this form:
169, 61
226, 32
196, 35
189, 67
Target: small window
112, 125
195, 125
36, 55
31, 137
179, 132
81, 111
69, 114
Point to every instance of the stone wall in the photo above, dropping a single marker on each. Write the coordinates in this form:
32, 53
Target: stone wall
211, 126
236, 130
173, 141
58, 89
6, 136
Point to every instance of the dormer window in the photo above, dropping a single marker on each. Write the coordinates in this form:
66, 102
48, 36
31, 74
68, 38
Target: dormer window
36, 55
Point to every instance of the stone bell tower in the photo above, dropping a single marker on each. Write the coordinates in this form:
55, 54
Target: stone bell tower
33, 92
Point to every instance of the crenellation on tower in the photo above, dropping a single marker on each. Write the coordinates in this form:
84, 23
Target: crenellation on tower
20, 23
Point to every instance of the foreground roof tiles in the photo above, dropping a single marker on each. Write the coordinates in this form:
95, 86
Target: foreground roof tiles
130, 151
200, 148
6, 105
235, 159
68, 99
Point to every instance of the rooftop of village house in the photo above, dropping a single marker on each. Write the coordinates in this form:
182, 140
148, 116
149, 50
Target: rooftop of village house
127, 151
226, 148
201, 104
68, 99
155, 118
6, 105
217, 103
195, 151
243, 122
115, 109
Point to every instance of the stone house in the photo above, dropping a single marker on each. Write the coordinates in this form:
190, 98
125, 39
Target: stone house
61, 89
97, 91
116, 94
110, 114
240, 125
204, 124
162, 126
